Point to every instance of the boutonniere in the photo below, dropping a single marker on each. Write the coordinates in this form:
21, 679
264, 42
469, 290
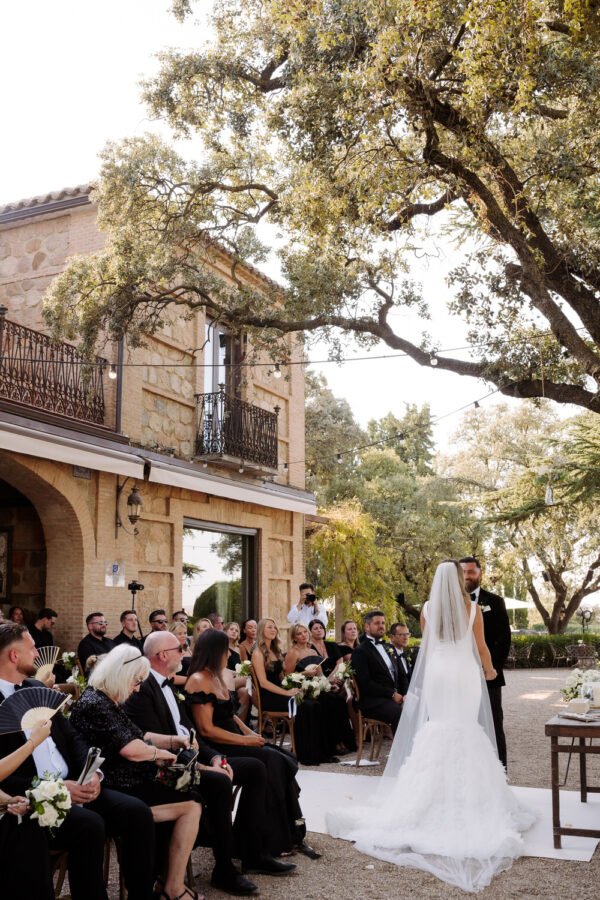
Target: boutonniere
486, 609
179, 697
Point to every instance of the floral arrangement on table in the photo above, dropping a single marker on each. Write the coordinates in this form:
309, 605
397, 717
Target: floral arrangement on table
50, 801
243, 669
579, 683
310, 686
69, 662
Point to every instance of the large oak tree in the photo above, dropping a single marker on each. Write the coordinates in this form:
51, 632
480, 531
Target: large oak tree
350, 126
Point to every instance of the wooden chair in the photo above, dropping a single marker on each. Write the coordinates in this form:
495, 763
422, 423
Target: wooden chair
368, 726
59, 869
511, 659
73, 689
560, 655
275, 720
584, 656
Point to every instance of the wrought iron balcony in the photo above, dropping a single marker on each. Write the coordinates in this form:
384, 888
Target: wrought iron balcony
47, 376
233, 431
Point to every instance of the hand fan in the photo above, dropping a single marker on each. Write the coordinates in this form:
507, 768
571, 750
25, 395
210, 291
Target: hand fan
29, 707
45, 660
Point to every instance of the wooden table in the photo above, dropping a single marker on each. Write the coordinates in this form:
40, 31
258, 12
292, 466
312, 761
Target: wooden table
558, 728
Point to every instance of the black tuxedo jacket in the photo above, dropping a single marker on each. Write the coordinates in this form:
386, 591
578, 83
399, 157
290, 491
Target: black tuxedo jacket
150, 712
403, 675
70, 744
496, 630
372, 675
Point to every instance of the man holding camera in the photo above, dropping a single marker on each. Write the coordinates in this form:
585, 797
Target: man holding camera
307, 608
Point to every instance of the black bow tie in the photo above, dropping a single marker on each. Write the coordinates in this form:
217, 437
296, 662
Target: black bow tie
378, 641
168, 682
18, 687
400, 652
473, 596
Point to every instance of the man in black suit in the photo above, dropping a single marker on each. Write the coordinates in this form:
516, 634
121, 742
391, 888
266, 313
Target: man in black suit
82, 833
399, 635
496, 630
156, 708
129, 630
41, 632
95, 643
376, 672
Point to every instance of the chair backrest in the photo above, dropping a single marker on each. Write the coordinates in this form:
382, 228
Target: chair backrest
256, 693
355, 691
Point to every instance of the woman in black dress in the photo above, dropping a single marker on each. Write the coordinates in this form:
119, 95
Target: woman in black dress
315, 738
25, 841
303, 657
212, 712
349, 639
131, 757
247, 639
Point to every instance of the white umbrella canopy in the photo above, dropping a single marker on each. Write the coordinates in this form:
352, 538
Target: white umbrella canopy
513, 603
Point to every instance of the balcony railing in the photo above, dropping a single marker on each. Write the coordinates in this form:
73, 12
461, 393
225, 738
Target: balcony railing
53, 377
233, 430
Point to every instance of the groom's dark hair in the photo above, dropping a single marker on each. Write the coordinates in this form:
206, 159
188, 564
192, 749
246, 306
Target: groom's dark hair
371, 615
470, 559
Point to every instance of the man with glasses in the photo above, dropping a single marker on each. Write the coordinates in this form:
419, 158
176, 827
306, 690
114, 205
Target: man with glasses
156, 709
95, 643
158, 620
399, 635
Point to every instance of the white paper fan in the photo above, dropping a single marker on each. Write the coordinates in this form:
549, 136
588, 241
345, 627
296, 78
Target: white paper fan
29, 707
45, 661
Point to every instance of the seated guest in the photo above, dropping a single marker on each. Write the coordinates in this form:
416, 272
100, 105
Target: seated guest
130, 761
329, 650
199, 628
181, 633
238, 686
399, 635
157, 708
16, 614
247, 639
302, 657
95, 643
21, 838
180, 616
216, 620
158, 620
376, 673
349, 639
129, 633
82, 833
41, 632
232, 630
314, 738
212, 712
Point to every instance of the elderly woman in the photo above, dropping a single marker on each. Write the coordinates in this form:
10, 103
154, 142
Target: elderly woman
131, 757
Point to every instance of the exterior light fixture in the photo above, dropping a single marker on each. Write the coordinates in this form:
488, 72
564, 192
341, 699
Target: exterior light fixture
433, 360
134, 508
276, 373
112, 372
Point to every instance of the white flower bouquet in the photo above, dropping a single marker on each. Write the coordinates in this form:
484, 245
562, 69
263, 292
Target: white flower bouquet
50, 800
310, 687
69, 661
243, 669
579, 683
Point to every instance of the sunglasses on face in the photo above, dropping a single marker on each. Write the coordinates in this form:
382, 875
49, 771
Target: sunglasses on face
179, 649
160, 622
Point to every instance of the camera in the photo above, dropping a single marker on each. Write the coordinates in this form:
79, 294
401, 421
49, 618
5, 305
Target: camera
135, 587
310, 598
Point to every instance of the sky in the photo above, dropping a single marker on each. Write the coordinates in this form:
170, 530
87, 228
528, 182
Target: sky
71, 71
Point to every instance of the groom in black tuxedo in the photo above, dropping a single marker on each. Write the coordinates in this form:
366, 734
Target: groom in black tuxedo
82, 833
376, 671
496, 630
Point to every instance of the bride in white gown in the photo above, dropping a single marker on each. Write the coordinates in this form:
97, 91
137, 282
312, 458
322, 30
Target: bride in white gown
443, 804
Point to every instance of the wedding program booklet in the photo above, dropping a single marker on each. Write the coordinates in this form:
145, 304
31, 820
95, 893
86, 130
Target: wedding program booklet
92, 764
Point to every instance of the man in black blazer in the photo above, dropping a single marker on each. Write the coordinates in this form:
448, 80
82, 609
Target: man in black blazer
376, 672
82, 833
157, 708
496, 630
399, 635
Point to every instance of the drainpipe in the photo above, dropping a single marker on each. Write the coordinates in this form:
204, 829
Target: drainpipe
119, 406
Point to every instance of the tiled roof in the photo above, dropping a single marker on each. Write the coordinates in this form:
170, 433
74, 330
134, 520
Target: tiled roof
70, 193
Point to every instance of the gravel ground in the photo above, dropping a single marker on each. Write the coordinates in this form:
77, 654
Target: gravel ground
531, 697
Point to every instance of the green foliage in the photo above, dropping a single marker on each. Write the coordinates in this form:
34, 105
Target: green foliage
224, 597
358, 129
541, 646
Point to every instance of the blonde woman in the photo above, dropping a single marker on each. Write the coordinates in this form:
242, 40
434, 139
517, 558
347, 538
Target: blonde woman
199, 628
314, 741
131, 757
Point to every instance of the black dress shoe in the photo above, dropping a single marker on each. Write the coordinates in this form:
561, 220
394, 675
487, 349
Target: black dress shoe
307, 851
267, 865
234, 884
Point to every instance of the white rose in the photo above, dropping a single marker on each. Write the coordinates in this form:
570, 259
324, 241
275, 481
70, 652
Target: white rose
49, 817
43, 791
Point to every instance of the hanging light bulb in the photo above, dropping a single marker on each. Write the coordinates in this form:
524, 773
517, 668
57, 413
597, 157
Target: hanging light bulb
276, 373
285, 467
433, 360
112, 372
338, 457
241, 468
476, 404
205, 465
549, 495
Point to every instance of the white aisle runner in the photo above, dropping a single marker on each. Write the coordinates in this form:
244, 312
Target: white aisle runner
322, 791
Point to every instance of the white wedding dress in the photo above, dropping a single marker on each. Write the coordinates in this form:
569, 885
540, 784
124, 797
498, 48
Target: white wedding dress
443, 804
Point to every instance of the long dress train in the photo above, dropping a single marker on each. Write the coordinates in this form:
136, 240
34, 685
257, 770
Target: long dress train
448, 810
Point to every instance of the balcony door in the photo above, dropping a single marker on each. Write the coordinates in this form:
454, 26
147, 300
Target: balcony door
223, 356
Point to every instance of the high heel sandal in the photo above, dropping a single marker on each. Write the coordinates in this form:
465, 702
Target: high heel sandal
186, 892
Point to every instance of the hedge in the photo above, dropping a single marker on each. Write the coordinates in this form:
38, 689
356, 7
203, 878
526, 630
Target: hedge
541, 654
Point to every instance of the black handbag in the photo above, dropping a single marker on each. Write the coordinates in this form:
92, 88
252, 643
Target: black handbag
182, 775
